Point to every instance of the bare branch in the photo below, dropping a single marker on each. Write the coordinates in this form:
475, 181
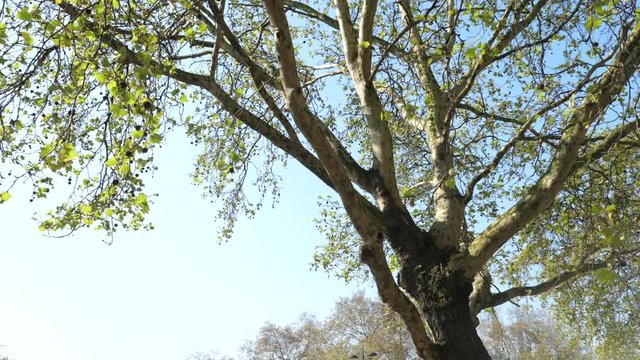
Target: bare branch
608, 142
504, 296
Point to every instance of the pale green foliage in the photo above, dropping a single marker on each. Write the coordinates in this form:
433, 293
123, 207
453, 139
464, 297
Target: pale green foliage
72, 108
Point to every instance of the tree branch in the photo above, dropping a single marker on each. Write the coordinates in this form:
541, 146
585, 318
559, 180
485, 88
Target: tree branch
490, 55
358, 57
540, 196
447, 199
359, 209
504, 296
608, 143
308, 11
289, 146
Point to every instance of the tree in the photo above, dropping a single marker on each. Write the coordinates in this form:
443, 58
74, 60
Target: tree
533, 334
299, 342
210, 356
359, 323
356, 323
3, 357
463, 139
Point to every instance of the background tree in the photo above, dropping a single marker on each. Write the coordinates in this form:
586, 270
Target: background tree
209, 356
3, 357
463, 139
355, 323
533, 334
303, 340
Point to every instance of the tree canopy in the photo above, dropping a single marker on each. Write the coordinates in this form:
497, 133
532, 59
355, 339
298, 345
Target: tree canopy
465, 141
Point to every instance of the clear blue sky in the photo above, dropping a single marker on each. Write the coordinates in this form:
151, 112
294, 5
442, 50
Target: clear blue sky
162, 294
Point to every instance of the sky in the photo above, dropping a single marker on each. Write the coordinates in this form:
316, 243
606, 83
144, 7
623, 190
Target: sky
166, 293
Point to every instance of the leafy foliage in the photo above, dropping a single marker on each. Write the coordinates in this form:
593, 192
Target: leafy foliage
460, 137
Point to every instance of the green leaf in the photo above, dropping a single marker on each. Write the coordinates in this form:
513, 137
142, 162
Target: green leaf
68, 153
27, 38
101, 77
111, 162
365, 44
112, 86
155, 138
4, 197
128, 98
592, 23
606, 275
137, 134
46, 150
116, 110
450, 183
470, 53
141, 199
145, 58
85, 209
24, 14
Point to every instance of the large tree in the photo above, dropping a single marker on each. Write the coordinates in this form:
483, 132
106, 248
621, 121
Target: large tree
462, 138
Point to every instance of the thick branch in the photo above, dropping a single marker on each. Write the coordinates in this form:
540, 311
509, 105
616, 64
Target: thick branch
422, 59
359, 209
347, 32
365, 36
358, 57
372, 254
257, 72
447, 200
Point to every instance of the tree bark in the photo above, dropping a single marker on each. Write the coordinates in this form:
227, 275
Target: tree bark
443, 297
452, 325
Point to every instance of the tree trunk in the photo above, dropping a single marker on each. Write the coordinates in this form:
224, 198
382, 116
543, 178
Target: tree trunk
443, 297
453, 328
